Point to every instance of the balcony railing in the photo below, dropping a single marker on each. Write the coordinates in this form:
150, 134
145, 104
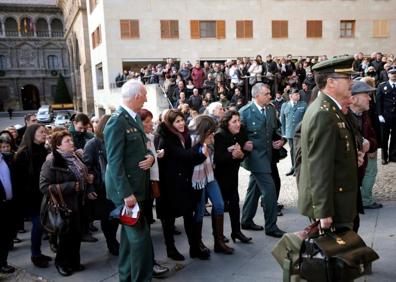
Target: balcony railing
43, 34
57, 34
27, 34
12, 33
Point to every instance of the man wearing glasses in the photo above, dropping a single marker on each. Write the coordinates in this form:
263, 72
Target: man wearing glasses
328, 179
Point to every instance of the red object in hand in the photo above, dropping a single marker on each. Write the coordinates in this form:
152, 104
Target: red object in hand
130, 216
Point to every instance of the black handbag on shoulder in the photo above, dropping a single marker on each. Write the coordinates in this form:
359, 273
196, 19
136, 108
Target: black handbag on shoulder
335, 257
55, 215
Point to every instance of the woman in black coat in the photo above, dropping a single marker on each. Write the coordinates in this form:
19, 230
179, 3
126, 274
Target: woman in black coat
95, 159
27, 165
63, 168
229, 142
175, 172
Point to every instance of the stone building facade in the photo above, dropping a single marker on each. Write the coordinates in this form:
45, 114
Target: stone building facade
127, 34
77, 40
33, 54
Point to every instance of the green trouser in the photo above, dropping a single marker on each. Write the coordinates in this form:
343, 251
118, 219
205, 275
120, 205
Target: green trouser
136, 254
368, 181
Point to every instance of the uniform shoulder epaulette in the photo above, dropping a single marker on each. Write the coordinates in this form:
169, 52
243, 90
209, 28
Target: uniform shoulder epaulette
382, 83
325, 105
271, 105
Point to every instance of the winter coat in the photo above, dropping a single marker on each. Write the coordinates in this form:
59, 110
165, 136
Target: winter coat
175, 171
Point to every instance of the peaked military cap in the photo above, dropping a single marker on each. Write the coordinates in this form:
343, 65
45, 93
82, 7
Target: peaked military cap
341, 64
392, 70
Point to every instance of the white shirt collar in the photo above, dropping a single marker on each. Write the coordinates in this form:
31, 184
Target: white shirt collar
334, 100
392, 83
129, 111
258, 106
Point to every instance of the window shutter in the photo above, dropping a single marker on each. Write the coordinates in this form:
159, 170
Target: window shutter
248, 29
381, 28
99, 35
284, 29
220, 29
314, 29
174, 29
93, 40
276, 31
194, 26
124, 27
134, 28
240, 29
165, 29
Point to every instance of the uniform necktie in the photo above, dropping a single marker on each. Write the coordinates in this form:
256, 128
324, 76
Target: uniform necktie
394, 86
139, 121
263, 112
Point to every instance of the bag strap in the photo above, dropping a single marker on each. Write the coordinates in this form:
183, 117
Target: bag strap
60, 195
52, 196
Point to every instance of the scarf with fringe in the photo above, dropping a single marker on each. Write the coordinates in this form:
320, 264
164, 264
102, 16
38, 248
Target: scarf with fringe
203, 173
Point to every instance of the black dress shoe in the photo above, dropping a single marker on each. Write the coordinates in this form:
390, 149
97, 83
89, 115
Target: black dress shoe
7, 269
40, 261
385, 162
373, 206
174, 254
252, 226
47, 258
277, 233
64, 270
88, 238
77, 268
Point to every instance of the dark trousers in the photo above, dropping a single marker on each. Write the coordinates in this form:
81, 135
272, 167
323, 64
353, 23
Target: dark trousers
389, 150
69, 242
7, 230
231, 199
276, 178
168, 224
261, 185
109, 228
290, 141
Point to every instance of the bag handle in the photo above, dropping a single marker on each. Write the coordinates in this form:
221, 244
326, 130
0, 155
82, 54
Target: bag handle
52, 196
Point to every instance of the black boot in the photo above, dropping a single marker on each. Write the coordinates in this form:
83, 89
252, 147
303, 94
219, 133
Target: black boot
173, 253
197, 247
218, 227
236, 223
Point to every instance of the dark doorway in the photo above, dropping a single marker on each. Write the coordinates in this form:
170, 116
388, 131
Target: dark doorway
30, 97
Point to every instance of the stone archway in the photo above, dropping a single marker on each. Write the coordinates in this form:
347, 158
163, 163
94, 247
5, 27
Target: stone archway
30, 97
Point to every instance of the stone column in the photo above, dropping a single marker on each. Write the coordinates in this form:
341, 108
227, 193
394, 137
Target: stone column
49, 27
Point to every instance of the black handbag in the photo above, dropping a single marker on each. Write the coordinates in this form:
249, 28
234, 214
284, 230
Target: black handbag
55, 215
335, 257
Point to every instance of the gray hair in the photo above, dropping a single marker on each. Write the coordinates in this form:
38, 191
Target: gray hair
257, 88
130, 89
213, 106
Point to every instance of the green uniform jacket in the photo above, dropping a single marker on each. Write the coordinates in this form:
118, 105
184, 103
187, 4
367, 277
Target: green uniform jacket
328, 177
126, 146
261, 131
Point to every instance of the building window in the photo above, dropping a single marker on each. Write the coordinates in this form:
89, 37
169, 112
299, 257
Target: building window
56, 28
53, 62
381, 28
347, 28
314, 29
207, 29
92, 5
169, 29
96, 37
99, 76
280, 29
11, 27
244, 29
42, 28
3, 62
129, 29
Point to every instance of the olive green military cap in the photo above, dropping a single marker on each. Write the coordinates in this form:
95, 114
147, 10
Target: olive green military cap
341, 64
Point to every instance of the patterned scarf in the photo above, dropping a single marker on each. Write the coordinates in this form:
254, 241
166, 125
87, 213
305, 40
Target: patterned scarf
76, 166
203, 173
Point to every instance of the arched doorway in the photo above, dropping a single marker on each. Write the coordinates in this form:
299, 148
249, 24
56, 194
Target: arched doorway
30, 97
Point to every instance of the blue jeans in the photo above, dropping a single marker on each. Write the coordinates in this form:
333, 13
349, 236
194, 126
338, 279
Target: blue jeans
36, 235
211, 189
369, 181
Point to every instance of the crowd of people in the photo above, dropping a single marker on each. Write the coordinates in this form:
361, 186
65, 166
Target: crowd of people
223, 116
